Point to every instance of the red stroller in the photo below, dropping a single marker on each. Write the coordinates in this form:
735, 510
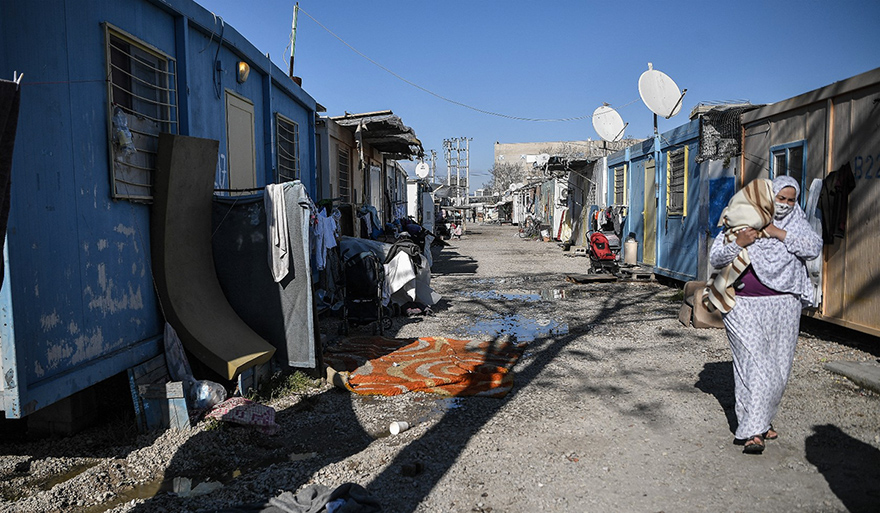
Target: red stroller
603, 258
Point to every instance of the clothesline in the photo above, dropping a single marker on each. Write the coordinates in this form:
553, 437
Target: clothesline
241, 190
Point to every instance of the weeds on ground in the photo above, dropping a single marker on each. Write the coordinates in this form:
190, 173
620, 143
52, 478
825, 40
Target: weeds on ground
282, 384
214, 425
678, 297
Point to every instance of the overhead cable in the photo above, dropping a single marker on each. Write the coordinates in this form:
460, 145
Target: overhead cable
444, 98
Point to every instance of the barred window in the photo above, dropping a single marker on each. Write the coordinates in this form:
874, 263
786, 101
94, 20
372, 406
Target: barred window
676, 182
287, 133
142, 96
620, 185
343, 167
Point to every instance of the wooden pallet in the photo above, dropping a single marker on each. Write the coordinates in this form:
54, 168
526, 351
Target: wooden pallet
636, 274
159, 403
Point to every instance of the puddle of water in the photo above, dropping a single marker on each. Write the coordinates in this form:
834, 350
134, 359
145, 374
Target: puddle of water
523, 328
496, 294
74, 471
183, 485
509, 280
528, 296
143, 491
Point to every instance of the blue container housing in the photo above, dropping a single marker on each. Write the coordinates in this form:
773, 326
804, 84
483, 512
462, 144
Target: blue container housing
688, 197
78, 303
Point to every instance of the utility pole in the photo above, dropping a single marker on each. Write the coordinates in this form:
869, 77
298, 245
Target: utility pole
447, 149
458, 171
467, 168
458, 157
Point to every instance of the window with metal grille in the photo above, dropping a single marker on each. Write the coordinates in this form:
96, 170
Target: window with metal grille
142, 95
676, 182
343, 167
287, 133
620, 185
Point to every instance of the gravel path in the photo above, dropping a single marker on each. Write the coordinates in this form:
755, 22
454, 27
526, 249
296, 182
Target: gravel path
615, 407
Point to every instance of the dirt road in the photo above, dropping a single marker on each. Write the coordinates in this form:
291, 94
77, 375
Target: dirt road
615, 407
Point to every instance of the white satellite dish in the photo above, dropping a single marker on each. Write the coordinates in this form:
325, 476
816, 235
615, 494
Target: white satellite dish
660, 93
422, 170
608, 124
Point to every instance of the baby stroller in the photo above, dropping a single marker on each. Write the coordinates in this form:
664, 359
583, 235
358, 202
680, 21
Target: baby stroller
364, 278
603, 257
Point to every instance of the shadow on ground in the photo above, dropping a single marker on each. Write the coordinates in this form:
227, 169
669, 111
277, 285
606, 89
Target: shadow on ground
437, 450
716, 378
850, 466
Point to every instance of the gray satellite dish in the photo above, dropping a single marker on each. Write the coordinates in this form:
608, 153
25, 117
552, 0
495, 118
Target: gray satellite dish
422, 170
660, 93
608, 124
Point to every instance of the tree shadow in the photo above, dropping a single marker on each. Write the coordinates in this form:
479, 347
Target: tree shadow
333, 431
452, 264
850, 466
318, 431
716, 378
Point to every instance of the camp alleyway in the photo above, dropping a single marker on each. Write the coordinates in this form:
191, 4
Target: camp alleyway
615, 406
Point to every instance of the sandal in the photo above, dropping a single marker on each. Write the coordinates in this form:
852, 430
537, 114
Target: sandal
754, 445
770, 434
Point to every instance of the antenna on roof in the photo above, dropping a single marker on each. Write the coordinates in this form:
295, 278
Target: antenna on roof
293, 38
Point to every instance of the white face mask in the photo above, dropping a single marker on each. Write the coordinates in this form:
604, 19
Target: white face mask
783, 209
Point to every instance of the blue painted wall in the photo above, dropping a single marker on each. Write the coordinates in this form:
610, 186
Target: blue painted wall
677, 236
78, 303
681, 240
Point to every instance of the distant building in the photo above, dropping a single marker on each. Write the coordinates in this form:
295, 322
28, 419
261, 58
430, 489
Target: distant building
526, 154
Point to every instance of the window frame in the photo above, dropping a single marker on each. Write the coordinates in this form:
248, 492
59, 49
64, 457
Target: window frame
623, 170
343, 190
296, 158
144, 137
671, 209
784, 151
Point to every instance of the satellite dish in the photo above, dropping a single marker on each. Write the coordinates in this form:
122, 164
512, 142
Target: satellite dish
422, 170
608, 124
660, 93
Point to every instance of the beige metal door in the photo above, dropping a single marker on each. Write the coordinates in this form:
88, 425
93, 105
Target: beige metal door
650, 236
240, 142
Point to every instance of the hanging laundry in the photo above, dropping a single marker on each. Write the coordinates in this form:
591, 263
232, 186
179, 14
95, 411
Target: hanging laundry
834, 202
325, 237
276, 225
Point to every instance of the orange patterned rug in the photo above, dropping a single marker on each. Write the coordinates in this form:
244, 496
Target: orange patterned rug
388, 366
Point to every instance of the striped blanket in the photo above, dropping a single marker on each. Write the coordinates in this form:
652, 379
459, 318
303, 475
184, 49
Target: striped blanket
751, 207
386, 366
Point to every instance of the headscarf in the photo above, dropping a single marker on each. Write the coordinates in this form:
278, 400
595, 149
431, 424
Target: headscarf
775, 266
779, 183
783, 181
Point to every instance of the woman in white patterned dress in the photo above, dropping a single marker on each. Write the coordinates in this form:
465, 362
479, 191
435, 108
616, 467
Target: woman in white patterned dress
763, 325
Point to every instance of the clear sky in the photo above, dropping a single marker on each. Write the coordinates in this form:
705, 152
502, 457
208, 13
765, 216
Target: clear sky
553, 59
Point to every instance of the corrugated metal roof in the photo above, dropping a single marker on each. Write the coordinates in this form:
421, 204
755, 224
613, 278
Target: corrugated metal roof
384, 131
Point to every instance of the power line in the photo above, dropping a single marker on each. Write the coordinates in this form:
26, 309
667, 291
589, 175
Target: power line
444, 98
